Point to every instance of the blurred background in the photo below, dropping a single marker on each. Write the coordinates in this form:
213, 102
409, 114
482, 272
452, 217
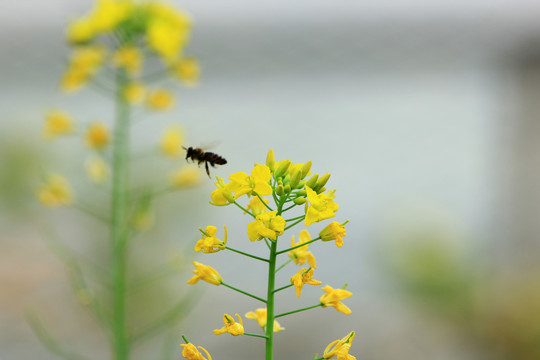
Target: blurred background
426, 113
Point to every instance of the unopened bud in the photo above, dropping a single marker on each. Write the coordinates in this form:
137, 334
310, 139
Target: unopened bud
301, 193
305, 169
287, 188
321, 182
270, 161
282, 169
295, 179
313, 181
321, 190
279, 190
299, 200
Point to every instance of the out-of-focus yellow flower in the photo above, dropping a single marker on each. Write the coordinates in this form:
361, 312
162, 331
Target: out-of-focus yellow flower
56, 191
97, 169
107, 14
97, 136
322, 206
258, 181
130, 58
301, 255
187, 70
57, 123
134, 93
231, 327
266, 225
172, 141
256, 206
168, 31
340, 348
304, 276
143, 220
190, 352
81, 30
333, 297
160, 99
210, 243
186, 176
334, 231
260, 316
84, 63
224, 194
205, 273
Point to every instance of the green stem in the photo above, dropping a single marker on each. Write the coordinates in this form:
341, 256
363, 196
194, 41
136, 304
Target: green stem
297, 246
243, 292
295, 218
295, 311
262, 200
255, 335
246, 254
294, 223
270, 300
284, 264
119, 219
246, 211
283, 288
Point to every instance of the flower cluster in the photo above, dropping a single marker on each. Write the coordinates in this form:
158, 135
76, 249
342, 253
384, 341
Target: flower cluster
272, 190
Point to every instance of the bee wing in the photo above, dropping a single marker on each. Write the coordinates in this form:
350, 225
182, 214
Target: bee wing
210, 144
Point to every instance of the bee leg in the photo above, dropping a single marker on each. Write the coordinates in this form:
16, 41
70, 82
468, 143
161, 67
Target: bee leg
207, 170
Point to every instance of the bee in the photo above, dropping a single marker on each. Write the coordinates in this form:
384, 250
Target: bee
199, 155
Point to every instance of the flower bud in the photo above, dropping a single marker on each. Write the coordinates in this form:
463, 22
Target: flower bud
301, 193
295, 179
305, 169
282, 169
287, 188
299, 200
313, 181
280, 190
301, 184
321, 190
321, 182
270, 161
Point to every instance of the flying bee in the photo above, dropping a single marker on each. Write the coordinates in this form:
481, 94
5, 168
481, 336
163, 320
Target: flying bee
201, 156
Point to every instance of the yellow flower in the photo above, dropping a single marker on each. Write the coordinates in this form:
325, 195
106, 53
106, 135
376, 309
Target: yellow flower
168, 33
128, 57
171, 142
333, 297
210, 243
231, 327
55, 192
186, 176
190, 352
97, 169
266, 225
223, 195
107, 14
160, 99
304, 276
301, 255
97, 136
260, 316
340, 348
322, 206
256, 206
205, 273
143, 219
134, 93
57, 123
334, 231
84, 63
187, 70
81, 30
258, 181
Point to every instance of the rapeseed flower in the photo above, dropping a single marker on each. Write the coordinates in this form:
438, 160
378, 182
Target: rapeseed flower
231, 327
97, 169
340, 348
57, 123
55, 192
130, 58
168, 31
134, 92
84, 63
333, 297
304, 276
187, 70
301, 255
256, 206
160, 99
209, 243
172, 141
224, 194
186, 176
266, 225
190, 352
260, 316
205, 273
334, 231
97, 136
322, 206
258, 182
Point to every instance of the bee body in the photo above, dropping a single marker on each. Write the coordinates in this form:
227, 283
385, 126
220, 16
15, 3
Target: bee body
206, 157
